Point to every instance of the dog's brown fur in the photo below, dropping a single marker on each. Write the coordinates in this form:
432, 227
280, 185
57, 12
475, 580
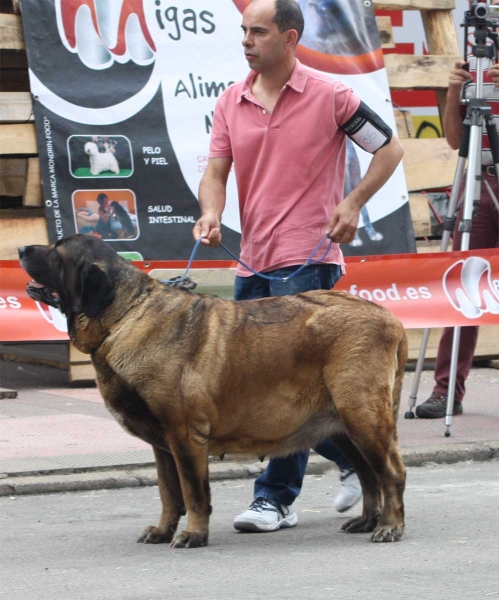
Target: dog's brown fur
196, 375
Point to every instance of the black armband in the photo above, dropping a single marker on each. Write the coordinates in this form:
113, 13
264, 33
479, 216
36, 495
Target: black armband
367, 129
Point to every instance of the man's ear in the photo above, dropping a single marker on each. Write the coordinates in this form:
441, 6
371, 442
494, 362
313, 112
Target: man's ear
97, 290
292, 38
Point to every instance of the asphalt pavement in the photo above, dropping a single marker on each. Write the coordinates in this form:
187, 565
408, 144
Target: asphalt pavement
82, 545
57, 438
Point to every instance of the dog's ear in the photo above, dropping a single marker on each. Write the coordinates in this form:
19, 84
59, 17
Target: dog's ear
97, 290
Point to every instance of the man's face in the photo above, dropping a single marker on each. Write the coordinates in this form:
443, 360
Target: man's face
264, 46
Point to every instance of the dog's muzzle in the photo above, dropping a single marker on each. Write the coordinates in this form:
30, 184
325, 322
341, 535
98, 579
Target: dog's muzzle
43, 294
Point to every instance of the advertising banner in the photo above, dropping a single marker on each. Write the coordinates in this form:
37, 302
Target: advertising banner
124, 93
448, 289
423, 290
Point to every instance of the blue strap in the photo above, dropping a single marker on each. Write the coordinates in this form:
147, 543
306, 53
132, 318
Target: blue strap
310, 261
184, 276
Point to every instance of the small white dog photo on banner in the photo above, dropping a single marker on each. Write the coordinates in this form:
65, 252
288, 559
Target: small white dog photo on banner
100, 156
101, 161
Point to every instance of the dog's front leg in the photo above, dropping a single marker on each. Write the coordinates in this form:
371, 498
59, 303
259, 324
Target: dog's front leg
171, 499
191, 457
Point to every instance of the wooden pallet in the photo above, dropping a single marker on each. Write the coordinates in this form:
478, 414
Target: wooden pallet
18, 147
428, 163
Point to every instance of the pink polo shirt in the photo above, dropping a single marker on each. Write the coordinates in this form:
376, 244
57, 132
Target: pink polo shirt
289, 165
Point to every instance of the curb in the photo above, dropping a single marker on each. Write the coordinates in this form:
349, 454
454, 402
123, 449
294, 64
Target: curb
140, 476
146, 476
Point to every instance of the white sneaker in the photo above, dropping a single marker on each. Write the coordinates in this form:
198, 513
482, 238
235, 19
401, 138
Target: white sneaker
350, 492
264, 515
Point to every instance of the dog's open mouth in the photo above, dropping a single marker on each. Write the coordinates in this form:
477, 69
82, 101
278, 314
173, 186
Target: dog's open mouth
41, 293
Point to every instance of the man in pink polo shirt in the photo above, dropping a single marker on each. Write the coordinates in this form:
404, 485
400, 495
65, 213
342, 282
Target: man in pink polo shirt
285, 128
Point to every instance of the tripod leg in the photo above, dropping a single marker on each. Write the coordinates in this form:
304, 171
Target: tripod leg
491, 194
472, 190
450, 219
452, 379
417, 375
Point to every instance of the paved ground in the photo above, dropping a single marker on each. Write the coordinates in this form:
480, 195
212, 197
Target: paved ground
52, 429
82, 546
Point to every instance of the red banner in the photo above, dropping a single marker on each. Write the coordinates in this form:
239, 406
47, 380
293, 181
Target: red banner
422, 290
446, 289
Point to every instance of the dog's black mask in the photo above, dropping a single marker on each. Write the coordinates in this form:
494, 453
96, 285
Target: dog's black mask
74, 284
43, 265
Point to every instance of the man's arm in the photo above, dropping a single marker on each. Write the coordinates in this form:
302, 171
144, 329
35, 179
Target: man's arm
453, 120
212, 195
342, 226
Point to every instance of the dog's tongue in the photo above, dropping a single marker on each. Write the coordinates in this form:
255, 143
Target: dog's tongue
35, 284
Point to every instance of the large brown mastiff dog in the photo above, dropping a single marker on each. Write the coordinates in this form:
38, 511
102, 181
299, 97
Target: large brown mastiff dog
195, 375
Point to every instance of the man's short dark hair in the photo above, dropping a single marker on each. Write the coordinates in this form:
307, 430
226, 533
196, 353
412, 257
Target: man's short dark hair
288, 15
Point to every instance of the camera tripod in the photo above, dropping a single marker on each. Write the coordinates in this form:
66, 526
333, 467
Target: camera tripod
478, 115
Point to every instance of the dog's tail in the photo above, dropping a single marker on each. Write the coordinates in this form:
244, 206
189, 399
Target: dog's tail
402, 354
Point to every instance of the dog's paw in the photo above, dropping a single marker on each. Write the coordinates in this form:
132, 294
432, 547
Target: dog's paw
387, 534
186, 539
153, 535
360, 524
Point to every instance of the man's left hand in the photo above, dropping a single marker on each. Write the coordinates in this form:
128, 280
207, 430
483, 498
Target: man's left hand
343, 224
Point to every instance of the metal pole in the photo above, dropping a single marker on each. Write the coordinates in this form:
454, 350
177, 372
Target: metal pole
472, 192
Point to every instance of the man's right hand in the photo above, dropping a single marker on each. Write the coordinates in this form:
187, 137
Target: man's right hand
458, 76
209, 228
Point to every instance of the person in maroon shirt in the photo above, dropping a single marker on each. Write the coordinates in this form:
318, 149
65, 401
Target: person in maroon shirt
484, 234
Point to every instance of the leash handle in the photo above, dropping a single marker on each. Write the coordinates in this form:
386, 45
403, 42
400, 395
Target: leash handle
310, 261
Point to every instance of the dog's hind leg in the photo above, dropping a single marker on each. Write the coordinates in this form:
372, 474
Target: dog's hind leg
371, 491
171, 499
366, 411
191, 457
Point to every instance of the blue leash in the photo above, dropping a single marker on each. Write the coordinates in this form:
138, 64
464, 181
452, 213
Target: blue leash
310, 261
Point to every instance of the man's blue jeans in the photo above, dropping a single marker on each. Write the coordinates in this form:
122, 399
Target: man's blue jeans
283, 478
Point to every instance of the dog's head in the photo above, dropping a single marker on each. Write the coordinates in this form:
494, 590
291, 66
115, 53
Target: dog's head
78, 273
91, 148
87, 280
